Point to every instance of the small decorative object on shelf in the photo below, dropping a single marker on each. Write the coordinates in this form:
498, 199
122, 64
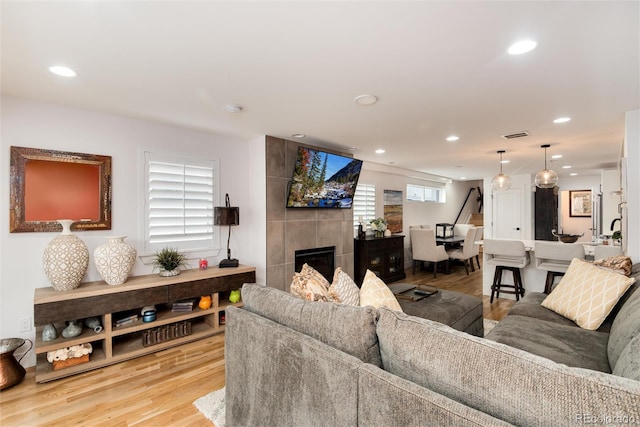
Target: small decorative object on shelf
114, 260
205, 302
73, 329
166, 333
227, 215
65, 259
148, 313
169, 261
49, 332
94, 324
234, 296
69, 356
379, 226
203, 264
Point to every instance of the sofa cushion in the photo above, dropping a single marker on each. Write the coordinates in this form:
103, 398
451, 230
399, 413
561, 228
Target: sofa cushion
347, 328
505, 382
566, 344
376, 293
626, 325
586, 294
309, 284
628, 364
276, 376
343, 289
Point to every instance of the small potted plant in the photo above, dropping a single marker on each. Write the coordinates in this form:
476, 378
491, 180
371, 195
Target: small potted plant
169, 261
378, 225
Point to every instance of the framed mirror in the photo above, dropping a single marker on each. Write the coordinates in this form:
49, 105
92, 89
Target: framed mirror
47, 185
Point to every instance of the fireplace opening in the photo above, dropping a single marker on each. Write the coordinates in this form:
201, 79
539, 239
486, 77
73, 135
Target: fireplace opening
321, 259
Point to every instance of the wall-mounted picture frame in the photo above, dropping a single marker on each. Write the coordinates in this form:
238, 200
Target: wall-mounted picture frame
580, 203
47, 185
392, 203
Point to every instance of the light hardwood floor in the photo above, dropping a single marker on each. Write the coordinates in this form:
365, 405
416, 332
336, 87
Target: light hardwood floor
159, 389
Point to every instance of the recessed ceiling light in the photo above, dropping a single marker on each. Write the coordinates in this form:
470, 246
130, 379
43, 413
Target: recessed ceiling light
566, 167
366, 99
233, 108
453, 138
573, 174
298, 135
562, 120
463, 177
380, 151
505, 161
62, 71
523, 46
556, 156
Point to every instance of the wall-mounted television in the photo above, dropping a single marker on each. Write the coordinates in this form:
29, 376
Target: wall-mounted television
323, 180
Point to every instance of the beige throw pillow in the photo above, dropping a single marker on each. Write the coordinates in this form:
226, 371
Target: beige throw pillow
376, 293
620, 263
309, 284
587, 294
343, 289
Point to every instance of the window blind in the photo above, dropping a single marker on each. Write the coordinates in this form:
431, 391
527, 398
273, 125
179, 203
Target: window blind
180, 204
364, 204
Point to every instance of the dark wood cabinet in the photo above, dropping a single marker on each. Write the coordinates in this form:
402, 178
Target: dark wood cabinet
546, 213
384, 256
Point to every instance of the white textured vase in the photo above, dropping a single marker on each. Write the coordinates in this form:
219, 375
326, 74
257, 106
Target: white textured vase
114, 260
65, 259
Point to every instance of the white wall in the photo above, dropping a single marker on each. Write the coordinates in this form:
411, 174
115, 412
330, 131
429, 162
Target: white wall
32, 124
631, 215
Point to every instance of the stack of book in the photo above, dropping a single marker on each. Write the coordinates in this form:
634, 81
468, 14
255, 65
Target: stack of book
184, 305
126, 320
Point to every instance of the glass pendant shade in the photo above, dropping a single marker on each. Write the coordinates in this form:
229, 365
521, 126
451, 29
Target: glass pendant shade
501, 181
546, 178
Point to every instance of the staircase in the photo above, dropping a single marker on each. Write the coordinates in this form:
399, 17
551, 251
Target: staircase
477, 219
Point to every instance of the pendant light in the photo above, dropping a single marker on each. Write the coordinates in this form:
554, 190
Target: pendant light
501, 181
546, 178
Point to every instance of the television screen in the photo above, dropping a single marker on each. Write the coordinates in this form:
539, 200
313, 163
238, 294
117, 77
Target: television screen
323, 180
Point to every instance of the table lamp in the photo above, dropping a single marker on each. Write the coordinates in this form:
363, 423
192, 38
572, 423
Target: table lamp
227, 215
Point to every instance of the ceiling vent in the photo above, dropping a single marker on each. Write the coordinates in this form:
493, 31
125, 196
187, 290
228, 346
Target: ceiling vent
516, 135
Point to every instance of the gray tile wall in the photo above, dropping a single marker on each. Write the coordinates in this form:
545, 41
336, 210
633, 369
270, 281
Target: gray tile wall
289, 230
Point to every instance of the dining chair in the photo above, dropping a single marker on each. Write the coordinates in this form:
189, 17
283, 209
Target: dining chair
424, 248
555, 257
476, 246
466, 252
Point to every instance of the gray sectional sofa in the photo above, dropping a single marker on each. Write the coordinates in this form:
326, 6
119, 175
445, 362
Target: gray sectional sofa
290, 362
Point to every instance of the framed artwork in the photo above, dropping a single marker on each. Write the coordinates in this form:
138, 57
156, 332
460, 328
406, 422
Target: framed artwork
392, 201
580, 203
47, 185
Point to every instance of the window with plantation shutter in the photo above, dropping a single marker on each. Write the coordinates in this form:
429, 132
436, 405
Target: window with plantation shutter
180, 200
364, 204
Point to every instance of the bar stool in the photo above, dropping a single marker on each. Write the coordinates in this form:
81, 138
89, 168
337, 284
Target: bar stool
555, 257
606, 251
509, 255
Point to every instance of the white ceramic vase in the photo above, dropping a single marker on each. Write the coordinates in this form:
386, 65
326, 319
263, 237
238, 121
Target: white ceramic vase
65, 259
114, 260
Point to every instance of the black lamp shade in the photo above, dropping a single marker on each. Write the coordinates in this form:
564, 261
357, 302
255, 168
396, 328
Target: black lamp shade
226, 216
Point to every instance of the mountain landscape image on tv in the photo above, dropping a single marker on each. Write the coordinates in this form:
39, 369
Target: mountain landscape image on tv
323, 180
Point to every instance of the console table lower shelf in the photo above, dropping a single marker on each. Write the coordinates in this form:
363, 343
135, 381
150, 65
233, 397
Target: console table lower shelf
114, 344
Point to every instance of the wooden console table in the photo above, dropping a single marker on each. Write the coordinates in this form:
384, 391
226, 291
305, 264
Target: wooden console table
384, 256
116, 344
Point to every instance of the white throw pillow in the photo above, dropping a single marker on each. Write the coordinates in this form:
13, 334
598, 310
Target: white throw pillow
343, 289
587, 294
376, 293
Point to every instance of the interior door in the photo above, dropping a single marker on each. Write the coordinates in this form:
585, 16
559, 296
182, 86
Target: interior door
507, 214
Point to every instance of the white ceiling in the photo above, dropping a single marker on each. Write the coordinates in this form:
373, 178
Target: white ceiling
438, 68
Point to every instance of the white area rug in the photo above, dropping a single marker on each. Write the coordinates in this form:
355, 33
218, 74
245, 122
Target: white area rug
212, 406
488, 325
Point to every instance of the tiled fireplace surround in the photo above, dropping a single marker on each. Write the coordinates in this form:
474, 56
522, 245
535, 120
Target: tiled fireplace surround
289, 230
